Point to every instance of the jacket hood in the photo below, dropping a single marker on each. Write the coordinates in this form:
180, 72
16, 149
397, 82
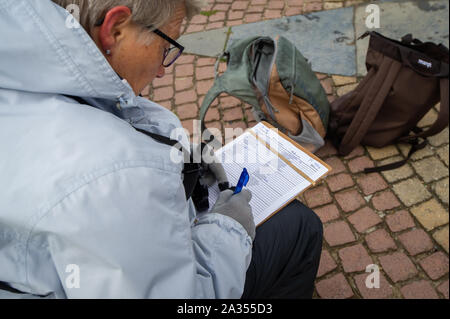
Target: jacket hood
41, 51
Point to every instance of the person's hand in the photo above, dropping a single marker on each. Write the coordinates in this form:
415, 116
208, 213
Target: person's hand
237, 207
212, 170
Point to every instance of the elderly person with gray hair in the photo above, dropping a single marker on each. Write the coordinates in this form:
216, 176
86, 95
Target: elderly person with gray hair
92, 206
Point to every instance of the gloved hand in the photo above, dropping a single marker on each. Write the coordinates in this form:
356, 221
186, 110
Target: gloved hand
212, 172
237, 207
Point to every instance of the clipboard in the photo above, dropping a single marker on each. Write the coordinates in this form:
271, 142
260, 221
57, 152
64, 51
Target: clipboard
261, 134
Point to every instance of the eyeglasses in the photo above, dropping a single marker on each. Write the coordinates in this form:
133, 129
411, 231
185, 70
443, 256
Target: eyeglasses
171, 54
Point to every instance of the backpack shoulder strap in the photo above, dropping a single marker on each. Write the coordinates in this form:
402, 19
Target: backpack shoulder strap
212, 94
371, 104
442, 120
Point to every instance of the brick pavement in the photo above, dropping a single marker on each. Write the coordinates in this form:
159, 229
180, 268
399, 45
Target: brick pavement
397, 220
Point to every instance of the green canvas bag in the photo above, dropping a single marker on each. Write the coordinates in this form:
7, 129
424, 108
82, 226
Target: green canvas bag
273, 77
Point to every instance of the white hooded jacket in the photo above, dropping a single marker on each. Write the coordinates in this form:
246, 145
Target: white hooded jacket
89, 207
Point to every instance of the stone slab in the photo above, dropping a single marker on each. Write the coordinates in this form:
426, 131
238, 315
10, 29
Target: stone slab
425, 20
325, 38
209, 43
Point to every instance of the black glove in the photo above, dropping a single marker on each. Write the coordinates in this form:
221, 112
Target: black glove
212, 171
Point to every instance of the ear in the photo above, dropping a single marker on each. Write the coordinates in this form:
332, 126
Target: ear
112, 28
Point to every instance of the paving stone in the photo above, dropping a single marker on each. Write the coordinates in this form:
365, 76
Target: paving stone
184, 70
317, 196
184, 83
399, 221
419, 290
212, 115
339, 182
185, 97
353, 2
313, 6
416, 241
435, 265
371, 183
382, 153
326, 265
187, 111
364, 219
249, 18
354, 258
189, 126
204, 73
162, 94
430, 169
358, 165
199, 19
428, 119
443, 289
342, 90
338, 233
385, 201
321, 76
443, 153
240, 5
335, 287
293, 11
214, 25
206, 61
327, 213
358, 151
397, 174
441, 189
383, 292
411, 191
427, 151
332, 5
229, 102
203, 87
380, 241
349, 200
327, 85
398, 266
336, 164
218, 16
430, 214
327, 150
164, 81
233, 114
439, 139
441, 236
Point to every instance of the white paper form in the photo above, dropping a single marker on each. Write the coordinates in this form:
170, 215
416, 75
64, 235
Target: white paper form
308, 165
272, 181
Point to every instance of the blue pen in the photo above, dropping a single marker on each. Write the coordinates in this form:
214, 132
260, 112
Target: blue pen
243, 180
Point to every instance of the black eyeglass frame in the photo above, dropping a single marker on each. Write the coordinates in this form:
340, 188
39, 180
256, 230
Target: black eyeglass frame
165, 37
167, 51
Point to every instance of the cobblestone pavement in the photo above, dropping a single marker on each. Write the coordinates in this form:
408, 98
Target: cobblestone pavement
397, 220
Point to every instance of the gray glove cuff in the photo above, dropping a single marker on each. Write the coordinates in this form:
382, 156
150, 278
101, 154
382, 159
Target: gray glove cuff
237, 207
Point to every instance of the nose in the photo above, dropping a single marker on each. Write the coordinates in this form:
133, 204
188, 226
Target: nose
161, 72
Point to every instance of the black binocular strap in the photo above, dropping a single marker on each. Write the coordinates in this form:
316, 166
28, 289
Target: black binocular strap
191, 170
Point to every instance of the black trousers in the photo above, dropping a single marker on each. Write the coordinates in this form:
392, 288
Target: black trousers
286, 255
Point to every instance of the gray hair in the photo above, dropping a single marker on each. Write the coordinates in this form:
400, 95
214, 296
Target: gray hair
144, 12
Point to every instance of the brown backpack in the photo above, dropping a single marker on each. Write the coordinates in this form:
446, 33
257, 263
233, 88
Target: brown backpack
404, 81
